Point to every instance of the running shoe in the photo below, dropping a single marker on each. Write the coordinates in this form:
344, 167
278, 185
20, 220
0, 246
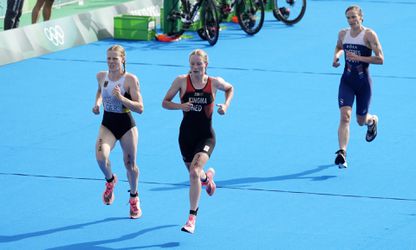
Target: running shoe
108, 195
372, 130
341, 159
135, 210
190, 224
210, 184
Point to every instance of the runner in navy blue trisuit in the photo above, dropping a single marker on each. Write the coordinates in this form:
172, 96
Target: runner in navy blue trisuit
359, 43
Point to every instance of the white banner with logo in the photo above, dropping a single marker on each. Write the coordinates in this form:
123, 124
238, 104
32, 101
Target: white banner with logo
63, 33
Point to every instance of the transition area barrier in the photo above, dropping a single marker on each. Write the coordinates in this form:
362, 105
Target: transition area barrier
67, 32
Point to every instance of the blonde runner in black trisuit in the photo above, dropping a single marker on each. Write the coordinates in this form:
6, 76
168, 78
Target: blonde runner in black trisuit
119, 93
196, 137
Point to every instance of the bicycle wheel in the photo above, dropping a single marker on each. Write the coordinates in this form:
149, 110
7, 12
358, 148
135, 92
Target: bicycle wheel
250, 14
289, 11
202, 34
210, 23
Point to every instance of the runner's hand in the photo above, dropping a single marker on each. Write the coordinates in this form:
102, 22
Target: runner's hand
96, 109
186, 106
222, 109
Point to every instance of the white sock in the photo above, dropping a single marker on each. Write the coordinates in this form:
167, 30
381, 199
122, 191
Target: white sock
371, 122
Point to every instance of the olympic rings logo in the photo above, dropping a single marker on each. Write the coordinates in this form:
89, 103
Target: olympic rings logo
55, 34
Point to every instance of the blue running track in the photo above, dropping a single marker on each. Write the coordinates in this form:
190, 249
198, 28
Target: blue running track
277, 185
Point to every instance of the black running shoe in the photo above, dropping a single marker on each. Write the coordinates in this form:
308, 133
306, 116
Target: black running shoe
372, 130
341, 159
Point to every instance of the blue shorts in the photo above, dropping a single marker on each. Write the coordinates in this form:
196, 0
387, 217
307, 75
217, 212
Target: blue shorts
355, 86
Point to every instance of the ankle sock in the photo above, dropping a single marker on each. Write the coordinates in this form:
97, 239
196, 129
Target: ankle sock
194, 212
111, 179
133, 195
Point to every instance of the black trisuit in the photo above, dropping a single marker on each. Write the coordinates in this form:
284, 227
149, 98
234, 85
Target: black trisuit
196, 133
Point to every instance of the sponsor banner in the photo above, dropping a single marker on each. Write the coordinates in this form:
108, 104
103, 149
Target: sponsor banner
63, 33
54, 35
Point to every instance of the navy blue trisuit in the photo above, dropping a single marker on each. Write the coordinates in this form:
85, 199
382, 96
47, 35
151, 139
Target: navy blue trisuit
355, 80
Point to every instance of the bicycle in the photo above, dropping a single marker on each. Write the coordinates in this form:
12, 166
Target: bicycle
250, 13
183, 14
289, 11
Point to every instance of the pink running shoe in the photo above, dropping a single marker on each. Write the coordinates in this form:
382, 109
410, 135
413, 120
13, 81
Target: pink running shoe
135, 210
190, 224
210, 184
108, 195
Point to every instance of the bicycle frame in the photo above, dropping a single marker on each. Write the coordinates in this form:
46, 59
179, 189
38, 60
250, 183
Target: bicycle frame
187, 16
